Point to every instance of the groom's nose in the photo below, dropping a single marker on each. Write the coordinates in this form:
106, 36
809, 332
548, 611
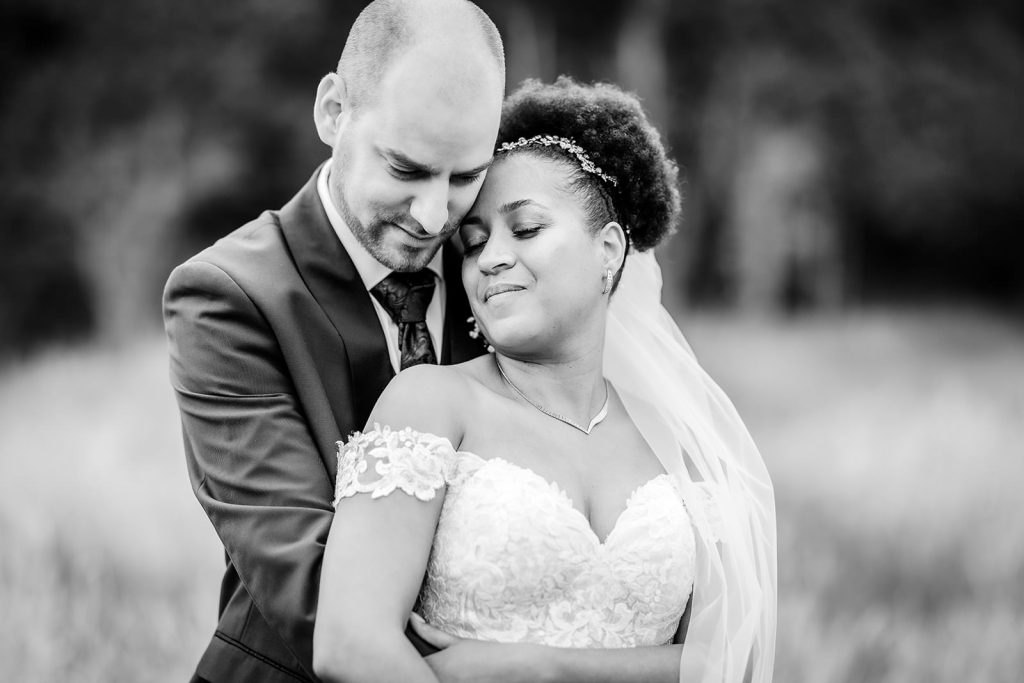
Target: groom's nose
430, 206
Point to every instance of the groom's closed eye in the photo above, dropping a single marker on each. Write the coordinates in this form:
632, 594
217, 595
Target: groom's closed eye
467, 178
472, 175
404, 168
418, 174
406, 173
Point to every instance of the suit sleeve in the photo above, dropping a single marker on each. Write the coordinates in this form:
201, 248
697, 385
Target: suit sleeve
251, 458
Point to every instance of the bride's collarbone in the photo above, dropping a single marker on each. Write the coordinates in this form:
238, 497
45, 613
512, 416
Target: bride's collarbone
598, 471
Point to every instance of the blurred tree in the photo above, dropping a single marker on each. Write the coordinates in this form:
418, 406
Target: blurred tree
125, 114
834, 151
909, 107
641, 57
45, 294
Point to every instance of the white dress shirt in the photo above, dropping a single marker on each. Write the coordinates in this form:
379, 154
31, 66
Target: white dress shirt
371, 272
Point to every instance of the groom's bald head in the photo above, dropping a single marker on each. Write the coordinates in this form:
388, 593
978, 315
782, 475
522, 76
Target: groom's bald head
411, 118
455, 33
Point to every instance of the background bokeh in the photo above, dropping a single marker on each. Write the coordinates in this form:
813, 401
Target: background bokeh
849, 268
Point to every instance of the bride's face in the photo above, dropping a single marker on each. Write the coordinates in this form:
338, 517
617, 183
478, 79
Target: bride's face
533, 270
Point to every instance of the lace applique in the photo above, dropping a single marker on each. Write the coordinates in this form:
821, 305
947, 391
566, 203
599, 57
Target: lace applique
418, 463
514, 561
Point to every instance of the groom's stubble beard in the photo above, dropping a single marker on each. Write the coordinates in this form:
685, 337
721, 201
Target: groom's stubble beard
372, 235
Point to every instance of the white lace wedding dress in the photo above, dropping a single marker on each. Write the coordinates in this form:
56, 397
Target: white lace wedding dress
514, 561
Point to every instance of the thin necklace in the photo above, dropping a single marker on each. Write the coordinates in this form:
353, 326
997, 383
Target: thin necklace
596, 420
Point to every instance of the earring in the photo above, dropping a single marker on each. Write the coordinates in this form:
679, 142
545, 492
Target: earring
476, 333
608, 277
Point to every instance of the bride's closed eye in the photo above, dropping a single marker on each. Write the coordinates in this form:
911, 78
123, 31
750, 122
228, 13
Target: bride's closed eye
466, 178
472, 246
527, 230
473, 241
473, 238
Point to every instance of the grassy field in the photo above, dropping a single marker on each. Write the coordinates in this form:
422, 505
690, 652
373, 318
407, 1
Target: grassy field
896, 443
894, 439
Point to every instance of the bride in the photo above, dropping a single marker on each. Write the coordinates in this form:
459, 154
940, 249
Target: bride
583, 503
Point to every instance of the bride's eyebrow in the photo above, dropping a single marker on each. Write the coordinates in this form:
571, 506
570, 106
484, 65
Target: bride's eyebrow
509, 207
506, 208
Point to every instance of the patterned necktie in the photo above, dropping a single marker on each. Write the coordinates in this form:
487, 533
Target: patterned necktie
405, 296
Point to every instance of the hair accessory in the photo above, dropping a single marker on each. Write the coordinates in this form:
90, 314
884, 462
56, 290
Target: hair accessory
476, 333
569, 146
608, 277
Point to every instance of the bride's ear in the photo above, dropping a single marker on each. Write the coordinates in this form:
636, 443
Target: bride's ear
612, 239
331, 108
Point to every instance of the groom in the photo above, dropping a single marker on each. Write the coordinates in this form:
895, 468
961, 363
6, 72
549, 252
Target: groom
283, 334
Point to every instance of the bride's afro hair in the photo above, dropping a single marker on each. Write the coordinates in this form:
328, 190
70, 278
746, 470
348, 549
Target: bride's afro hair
610, 125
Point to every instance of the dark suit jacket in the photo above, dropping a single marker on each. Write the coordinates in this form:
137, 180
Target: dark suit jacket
276, 353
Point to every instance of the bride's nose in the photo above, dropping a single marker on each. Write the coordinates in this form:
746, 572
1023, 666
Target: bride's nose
496, 256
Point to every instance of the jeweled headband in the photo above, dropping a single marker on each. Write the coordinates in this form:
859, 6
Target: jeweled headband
569, 146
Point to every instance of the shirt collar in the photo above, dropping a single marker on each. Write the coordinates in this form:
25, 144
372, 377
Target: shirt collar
371, 271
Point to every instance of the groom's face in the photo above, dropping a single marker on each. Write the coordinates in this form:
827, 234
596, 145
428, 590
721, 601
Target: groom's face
407, 166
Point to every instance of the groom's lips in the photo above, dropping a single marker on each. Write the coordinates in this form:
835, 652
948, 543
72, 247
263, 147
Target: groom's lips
501, 288
415, 234
421, 235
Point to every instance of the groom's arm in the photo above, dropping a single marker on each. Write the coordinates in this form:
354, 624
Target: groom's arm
474, 660
620, 665
462, 659
251, 458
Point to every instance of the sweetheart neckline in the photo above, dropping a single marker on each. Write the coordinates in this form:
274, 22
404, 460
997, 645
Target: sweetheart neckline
566, 499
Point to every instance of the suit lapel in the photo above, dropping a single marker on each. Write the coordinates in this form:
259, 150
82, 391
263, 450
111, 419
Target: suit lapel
332, 279
335, 284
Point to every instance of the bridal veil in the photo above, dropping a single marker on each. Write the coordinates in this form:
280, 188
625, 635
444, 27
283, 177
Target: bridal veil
701, 440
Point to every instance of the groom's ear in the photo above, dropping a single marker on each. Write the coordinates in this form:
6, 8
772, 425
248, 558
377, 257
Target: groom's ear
330, 108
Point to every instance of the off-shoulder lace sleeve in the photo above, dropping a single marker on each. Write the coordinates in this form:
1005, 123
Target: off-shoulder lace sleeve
381, 460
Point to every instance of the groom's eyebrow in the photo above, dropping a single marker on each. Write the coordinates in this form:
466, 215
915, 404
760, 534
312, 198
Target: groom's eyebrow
414, 165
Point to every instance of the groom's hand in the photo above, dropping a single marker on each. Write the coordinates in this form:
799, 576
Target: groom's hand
422, 645
464, 659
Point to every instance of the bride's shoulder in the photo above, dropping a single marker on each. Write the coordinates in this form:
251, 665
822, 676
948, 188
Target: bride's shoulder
427, 398
436, 381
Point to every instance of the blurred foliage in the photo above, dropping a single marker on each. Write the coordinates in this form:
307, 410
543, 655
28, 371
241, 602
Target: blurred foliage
134, 133
48, 294
893, 441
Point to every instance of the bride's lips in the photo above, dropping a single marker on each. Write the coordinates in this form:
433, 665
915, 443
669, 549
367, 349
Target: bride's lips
501, 288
